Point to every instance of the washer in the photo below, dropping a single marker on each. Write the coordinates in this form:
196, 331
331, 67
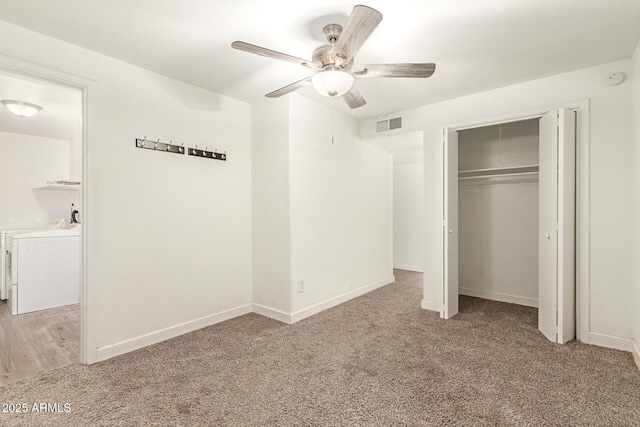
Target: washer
3, 266
43, 269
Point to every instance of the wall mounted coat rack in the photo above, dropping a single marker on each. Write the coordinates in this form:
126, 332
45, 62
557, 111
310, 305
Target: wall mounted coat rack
159, 146
208, 154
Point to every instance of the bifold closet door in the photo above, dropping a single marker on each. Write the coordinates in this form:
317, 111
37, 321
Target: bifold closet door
556, 241
450, 221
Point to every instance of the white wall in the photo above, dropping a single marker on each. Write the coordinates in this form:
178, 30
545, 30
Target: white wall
341, 201
408, 196
321, 209
172, 234
270, 205
408, 216
75, 159
28, 162
636, 192
611, 177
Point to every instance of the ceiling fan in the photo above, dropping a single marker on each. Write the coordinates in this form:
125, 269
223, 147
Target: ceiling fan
333, 62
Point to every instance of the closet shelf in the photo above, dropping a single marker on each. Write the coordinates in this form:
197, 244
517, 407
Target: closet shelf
493, 172
60, 187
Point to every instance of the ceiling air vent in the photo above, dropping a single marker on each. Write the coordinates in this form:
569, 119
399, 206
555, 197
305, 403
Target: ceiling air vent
389, 124
395, 123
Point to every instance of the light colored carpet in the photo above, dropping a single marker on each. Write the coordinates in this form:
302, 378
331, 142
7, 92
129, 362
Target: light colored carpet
375, 360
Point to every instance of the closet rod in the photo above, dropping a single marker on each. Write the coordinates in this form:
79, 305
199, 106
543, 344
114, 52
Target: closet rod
496, 175
497, 171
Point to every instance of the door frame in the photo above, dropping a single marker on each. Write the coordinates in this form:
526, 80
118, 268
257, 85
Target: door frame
88, 267
581, 107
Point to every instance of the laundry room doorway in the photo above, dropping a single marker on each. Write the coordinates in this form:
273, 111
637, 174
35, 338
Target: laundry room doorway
43, 220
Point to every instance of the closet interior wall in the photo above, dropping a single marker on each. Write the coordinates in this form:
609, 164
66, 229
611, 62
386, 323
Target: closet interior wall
498, 212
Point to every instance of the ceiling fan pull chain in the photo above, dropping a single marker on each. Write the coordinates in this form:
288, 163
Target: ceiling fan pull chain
331, 126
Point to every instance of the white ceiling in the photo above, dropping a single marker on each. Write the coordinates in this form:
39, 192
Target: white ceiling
61, 114
477, 45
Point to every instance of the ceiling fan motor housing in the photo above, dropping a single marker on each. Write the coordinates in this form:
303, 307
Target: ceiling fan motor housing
332, 31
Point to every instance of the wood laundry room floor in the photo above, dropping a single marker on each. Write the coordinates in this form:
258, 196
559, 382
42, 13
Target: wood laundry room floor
37, 342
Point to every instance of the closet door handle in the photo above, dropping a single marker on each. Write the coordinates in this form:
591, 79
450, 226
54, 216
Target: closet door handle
450, 230
548, 236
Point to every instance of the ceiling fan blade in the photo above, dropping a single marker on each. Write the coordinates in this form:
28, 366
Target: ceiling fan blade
394, 70
353, 98
262, 51
289, 88
360, 24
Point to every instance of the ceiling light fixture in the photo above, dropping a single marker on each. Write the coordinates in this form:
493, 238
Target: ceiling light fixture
22, 109
332, 82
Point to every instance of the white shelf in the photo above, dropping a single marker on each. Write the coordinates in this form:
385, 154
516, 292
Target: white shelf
60, 187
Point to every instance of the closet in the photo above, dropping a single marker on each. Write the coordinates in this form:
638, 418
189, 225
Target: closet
509, 217
498, 212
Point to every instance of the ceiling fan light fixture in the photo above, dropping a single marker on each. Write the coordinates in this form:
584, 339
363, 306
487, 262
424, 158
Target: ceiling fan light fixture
22, 109
332, 83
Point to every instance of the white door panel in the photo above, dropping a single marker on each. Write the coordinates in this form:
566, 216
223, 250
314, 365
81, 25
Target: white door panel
567, 226
547, 233
556, 269
450, 229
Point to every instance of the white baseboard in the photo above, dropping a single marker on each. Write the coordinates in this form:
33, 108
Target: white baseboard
411, 268
271, 313
109, 351
429, 305
332, 302
636, 352
497, 296
610, 341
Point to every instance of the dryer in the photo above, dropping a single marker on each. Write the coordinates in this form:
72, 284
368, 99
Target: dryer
43, 269
3, 266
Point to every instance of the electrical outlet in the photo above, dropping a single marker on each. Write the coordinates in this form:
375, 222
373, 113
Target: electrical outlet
300, 286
